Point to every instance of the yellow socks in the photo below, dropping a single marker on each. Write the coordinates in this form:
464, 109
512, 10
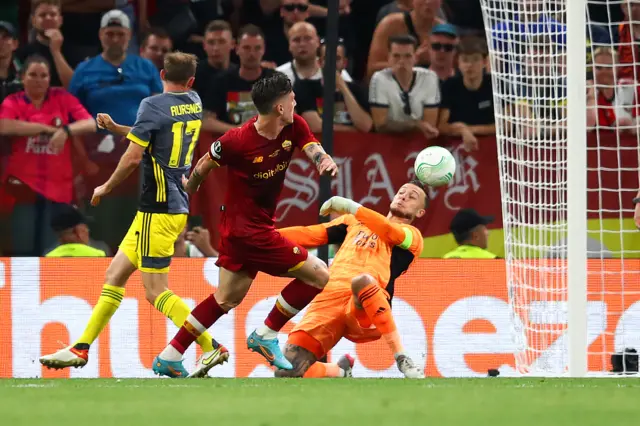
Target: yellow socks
168, 303
174, 308
107, 305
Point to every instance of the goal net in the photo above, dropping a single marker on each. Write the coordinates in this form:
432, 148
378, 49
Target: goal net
564, 77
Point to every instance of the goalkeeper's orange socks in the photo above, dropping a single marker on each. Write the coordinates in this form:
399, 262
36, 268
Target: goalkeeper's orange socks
375, 304
321, 369
107, 305
174, 308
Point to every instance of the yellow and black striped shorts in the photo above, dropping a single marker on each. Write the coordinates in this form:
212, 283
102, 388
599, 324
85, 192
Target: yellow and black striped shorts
150, 240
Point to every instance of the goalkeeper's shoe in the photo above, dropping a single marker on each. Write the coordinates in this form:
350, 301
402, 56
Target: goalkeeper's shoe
208, 360
173, 369
408, 368
71, 356
346, 362
269, 349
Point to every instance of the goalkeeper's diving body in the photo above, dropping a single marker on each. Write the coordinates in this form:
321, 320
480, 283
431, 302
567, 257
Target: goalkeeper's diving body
356, 303
162, 140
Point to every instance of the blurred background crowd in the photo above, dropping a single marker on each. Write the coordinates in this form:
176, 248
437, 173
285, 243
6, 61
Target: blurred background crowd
418, 66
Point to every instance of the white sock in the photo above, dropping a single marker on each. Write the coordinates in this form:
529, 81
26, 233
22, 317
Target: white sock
342, 373
170, 354
266, 333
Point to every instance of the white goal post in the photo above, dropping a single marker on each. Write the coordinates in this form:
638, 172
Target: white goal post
568, 170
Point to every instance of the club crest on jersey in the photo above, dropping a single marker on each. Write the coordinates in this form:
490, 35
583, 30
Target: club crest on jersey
216, 149
296, 250
286, 145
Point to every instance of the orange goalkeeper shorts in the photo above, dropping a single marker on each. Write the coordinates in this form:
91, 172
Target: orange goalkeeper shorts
331, 316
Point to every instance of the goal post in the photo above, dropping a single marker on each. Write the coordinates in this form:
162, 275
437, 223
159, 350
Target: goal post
576, 11
567, 178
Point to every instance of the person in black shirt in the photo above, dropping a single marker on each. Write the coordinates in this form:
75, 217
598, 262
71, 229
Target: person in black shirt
218, 44
466, 109
291, 12
227, 101
46, 19
351, 111
9, 69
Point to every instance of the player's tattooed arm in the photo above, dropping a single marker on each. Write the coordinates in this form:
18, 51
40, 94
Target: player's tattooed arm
300, 358
199, 174
321, 159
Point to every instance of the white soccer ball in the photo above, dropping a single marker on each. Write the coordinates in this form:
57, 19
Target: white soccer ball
435, 166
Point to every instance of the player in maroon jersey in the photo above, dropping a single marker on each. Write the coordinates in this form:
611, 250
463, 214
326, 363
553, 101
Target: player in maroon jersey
257, 155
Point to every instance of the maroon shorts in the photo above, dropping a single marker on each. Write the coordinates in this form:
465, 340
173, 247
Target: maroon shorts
267, 252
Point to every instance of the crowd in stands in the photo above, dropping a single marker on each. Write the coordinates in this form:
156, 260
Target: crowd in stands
402, 66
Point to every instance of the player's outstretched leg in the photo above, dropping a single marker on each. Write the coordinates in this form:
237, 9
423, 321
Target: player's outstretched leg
156, 284
77, 355
309, 281
232, 289
305, 364
374, 302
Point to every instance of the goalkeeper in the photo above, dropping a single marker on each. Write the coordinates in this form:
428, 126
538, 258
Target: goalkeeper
356, 303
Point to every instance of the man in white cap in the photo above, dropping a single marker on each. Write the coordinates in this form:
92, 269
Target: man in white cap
115, 82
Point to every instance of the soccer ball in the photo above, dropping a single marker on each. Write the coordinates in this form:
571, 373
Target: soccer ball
435, 166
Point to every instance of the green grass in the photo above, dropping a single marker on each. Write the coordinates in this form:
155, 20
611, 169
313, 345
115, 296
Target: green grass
328, 402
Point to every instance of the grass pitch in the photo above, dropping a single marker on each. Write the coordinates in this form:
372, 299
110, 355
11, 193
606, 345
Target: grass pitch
328, 402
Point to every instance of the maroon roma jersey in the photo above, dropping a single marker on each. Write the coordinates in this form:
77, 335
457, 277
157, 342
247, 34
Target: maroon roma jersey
256, 169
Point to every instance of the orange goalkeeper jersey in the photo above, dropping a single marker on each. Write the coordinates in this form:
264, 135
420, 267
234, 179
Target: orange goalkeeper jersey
369, 243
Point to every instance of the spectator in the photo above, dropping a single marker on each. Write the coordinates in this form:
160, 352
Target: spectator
444, 41
205, 12
228, 102
303, 44
404, 98
395, 6
629, 34
611, 102
541, 88
46, 20
114, 82
276, 33
351, 106
40, 120
218, 44
194, 243
82, 23
417, 23
472, 235
467, 99
154, 46
400, 6
9, 68
73, 234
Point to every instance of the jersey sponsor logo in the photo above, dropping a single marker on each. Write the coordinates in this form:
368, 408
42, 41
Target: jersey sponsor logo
296, 250
286, 145
258, 159
274, 153
216, 150
268, 174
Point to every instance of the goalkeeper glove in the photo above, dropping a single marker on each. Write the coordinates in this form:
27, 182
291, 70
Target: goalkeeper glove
339, 205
